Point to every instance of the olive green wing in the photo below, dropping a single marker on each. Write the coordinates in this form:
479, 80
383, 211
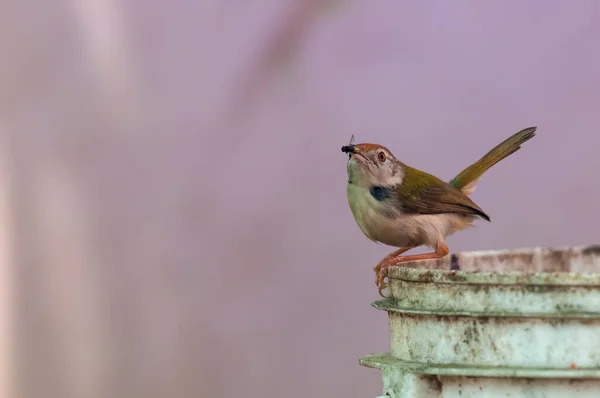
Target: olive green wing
422, 193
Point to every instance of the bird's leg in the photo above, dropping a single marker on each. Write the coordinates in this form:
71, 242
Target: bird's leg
383, 265
441, 250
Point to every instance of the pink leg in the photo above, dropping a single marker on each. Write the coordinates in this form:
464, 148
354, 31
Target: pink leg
441, 250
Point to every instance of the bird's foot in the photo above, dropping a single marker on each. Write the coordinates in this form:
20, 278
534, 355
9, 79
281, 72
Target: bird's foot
380, 275
381, 269
395, 258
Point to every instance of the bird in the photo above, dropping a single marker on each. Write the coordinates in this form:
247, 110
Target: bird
404, 207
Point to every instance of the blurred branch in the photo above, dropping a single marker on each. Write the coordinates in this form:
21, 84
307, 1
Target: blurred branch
279, 49
107, 40
277, 52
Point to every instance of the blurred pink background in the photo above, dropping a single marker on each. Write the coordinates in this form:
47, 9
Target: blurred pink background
173, 199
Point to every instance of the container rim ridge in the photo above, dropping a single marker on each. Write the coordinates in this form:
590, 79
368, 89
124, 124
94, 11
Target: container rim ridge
540, 266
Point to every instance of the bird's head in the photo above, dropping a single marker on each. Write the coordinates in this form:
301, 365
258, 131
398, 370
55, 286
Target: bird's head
372, 165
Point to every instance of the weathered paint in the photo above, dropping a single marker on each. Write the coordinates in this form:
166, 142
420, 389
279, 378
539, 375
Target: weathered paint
520, 323
417, 380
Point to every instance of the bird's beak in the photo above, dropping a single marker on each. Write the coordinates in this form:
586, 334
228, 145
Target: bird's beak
354, 150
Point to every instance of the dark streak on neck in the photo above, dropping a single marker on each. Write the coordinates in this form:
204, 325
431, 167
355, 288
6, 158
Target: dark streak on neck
380, 193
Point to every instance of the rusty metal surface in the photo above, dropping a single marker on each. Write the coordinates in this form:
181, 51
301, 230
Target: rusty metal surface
492, 341
398, 383
385, 360
480, 387
562, 311
418, 380
502, 323
558, 283
571, 259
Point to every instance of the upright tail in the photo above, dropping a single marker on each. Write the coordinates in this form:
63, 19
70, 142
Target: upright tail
466, 180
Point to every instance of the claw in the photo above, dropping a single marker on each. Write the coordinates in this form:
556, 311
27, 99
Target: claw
381, 288
381, 273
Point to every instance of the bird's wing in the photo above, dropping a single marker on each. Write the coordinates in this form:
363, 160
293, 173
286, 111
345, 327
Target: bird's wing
422, 193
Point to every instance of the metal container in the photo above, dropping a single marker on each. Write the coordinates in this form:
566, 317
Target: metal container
514, 323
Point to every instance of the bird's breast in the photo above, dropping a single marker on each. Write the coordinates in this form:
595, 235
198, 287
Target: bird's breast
400, 230
368, 207
364, 208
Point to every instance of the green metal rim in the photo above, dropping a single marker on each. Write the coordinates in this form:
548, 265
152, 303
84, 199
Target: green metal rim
385, 361
488, 278
391, 305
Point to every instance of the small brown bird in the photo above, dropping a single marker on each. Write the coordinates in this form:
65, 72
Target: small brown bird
404, 207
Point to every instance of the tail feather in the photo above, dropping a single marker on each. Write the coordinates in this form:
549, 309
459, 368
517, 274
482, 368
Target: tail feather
466, 180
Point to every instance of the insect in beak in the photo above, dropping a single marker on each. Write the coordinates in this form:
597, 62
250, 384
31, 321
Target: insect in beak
350, 148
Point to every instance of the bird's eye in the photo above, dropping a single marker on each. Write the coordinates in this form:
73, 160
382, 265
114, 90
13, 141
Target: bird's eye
381, 156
